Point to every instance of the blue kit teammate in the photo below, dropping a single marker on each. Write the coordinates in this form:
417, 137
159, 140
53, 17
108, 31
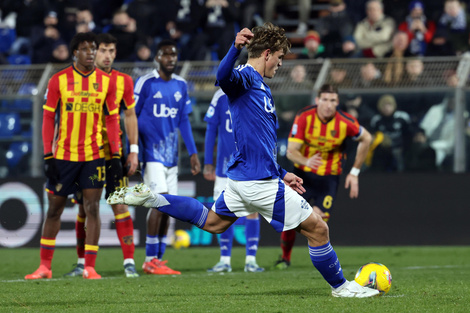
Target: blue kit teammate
256, 183
219, 123
162, 108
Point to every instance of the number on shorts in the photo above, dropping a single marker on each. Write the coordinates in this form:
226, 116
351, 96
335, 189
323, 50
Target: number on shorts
101, 173
327, 202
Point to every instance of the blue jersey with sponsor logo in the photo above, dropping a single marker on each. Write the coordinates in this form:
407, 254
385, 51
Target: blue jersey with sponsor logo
254, 121
159, 108
218, 114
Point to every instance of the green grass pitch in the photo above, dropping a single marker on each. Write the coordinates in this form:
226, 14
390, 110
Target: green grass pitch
425, 279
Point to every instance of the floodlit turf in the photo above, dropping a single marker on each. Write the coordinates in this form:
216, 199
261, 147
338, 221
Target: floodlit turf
425, 279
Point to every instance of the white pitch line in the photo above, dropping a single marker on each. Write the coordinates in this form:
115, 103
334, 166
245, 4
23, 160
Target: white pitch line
432, 267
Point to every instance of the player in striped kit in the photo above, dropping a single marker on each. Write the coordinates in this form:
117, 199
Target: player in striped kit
256, 182
105, 55
80, 95
315, 146
218, 123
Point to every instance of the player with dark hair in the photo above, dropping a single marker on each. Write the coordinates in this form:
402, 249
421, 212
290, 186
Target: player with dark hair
218, 123
256, 182
105, 55
162, 108
79, 95
315, 146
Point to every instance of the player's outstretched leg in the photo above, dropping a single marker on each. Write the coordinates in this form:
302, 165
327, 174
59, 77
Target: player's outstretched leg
183, 208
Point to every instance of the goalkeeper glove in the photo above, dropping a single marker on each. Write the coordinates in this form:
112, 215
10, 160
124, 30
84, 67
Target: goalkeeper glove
50, 169
115, 170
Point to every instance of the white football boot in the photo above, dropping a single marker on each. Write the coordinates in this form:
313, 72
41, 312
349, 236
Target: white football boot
351, 289
138, 195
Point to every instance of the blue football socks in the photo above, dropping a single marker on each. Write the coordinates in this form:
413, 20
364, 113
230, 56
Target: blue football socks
225, 242
326, 262
185, 209
252, 236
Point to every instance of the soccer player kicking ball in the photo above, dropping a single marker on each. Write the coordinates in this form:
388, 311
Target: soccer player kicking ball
256, 182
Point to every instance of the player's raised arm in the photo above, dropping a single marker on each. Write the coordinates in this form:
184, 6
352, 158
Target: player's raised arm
226, 76
243, 38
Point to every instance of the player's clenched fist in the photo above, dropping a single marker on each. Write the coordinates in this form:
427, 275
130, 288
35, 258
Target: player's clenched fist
243, 38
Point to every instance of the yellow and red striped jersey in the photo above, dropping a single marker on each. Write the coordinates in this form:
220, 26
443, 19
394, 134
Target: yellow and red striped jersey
124, 99
326, 138
81, 100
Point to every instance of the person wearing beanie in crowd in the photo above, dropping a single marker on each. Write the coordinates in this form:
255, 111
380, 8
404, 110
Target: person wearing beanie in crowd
313, 49
419, 29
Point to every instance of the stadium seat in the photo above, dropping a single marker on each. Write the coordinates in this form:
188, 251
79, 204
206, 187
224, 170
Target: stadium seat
10, 124
29, 89
7, 37
18, 59
18, 156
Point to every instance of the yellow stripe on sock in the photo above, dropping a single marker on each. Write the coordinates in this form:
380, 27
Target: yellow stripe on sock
91, 248
81, 219
48, 242
123, 215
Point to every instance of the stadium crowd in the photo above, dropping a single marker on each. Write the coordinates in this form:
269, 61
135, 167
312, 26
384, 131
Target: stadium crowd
39, 30
395, 35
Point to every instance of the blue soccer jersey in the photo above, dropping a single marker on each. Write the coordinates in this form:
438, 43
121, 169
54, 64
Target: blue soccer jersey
254, 121
218, 115
161, 106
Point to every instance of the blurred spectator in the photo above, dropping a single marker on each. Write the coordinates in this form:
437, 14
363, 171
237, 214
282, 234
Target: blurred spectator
218, 28
29, 13
395, 68
60, 53
455, 21
37, 31
144, 12
354, 105
439, 126
42, 49
420, 30
183, 22
313, 49
142, 54
335, 27
287, 105
440, 45
339, 76
251, 11
420, 156
392, 128
450, 77
85, 21
415, 75
348, 48
270, 6
373, 35
369, 78
124, 28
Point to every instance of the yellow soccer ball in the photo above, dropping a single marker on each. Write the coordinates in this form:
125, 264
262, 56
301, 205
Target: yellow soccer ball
181, 239
375, 276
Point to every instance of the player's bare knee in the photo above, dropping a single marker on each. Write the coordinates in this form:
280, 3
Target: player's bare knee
321, 230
